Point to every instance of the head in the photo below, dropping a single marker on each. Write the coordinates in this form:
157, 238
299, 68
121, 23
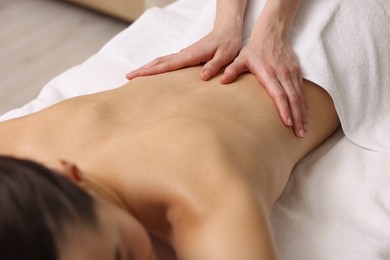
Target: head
45, 214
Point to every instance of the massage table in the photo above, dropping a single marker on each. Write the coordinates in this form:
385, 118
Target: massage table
337, 201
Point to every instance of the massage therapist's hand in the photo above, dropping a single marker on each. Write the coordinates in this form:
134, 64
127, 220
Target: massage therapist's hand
217, 49
275, 64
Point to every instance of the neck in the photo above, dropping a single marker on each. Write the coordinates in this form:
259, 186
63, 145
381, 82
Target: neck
105, 189
10, 137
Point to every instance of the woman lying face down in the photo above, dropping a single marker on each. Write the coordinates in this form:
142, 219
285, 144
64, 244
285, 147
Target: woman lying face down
196, 163
47, 216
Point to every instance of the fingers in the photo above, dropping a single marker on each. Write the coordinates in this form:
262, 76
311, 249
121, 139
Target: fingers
295, 104
280, 98
160, 65
221, 58
284, 88
233, 70
296, 77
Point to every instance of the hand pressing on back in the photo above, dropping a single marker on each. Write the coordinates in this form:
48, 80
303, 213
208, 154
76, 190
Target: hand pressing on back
217, 49
274, 63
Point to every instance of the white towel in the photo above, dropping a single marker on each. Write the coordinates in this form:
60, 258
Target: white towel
336, 205
344, 46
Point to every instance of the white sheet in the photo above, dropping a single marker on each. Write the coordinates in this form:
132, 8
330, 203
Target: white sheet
337, 202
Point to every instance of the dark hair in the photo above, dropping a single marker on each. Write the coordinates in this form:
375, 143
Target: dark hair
35, 206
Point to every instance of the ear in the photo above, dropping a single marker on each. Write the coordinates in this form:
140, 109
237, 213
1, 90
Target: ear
67, 169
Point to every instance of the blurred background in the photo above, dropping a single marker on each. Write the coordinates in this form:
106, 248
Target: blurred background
40, 39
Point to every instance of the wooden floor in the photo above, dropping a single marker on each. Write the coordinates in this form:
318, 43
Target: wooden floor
39, 39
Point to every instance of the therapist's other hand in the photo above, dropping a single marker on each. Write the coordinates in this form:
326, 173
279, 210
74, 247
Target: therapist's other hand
216, 50
276, 66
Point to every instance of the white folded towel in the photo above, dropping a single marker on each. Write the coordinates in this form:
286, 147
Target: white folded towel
344, 46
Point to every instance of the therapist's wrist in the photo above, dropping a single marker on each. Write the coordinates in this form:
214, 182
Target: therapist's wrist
230, 15
276, 18
234, 25
224, 34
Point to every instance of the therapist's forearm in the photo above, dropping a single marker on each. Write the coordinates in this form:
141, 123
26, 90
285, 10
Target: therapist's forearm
277, 17
230, 15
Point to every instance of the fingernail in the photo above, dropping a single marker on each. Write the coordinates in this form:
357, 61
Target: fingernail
289, 122
206, 74
302, 133
128, 75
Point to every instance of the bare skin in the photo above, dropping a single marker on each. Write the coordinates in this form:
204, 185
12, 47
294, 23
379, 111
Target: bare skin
198, 163
268, 55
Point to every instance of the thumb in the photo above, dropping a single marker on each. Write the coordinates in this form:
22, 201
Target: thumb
211, 68
233, 71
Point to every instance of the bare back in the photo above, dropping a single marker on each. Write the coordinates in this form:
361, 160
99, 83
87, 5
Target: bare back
151, 140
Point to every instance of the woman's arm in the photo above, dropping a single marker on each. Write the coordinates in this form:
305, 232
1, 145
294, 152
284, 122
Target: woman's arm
277, 17
230, 13
270, 57
217, 49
